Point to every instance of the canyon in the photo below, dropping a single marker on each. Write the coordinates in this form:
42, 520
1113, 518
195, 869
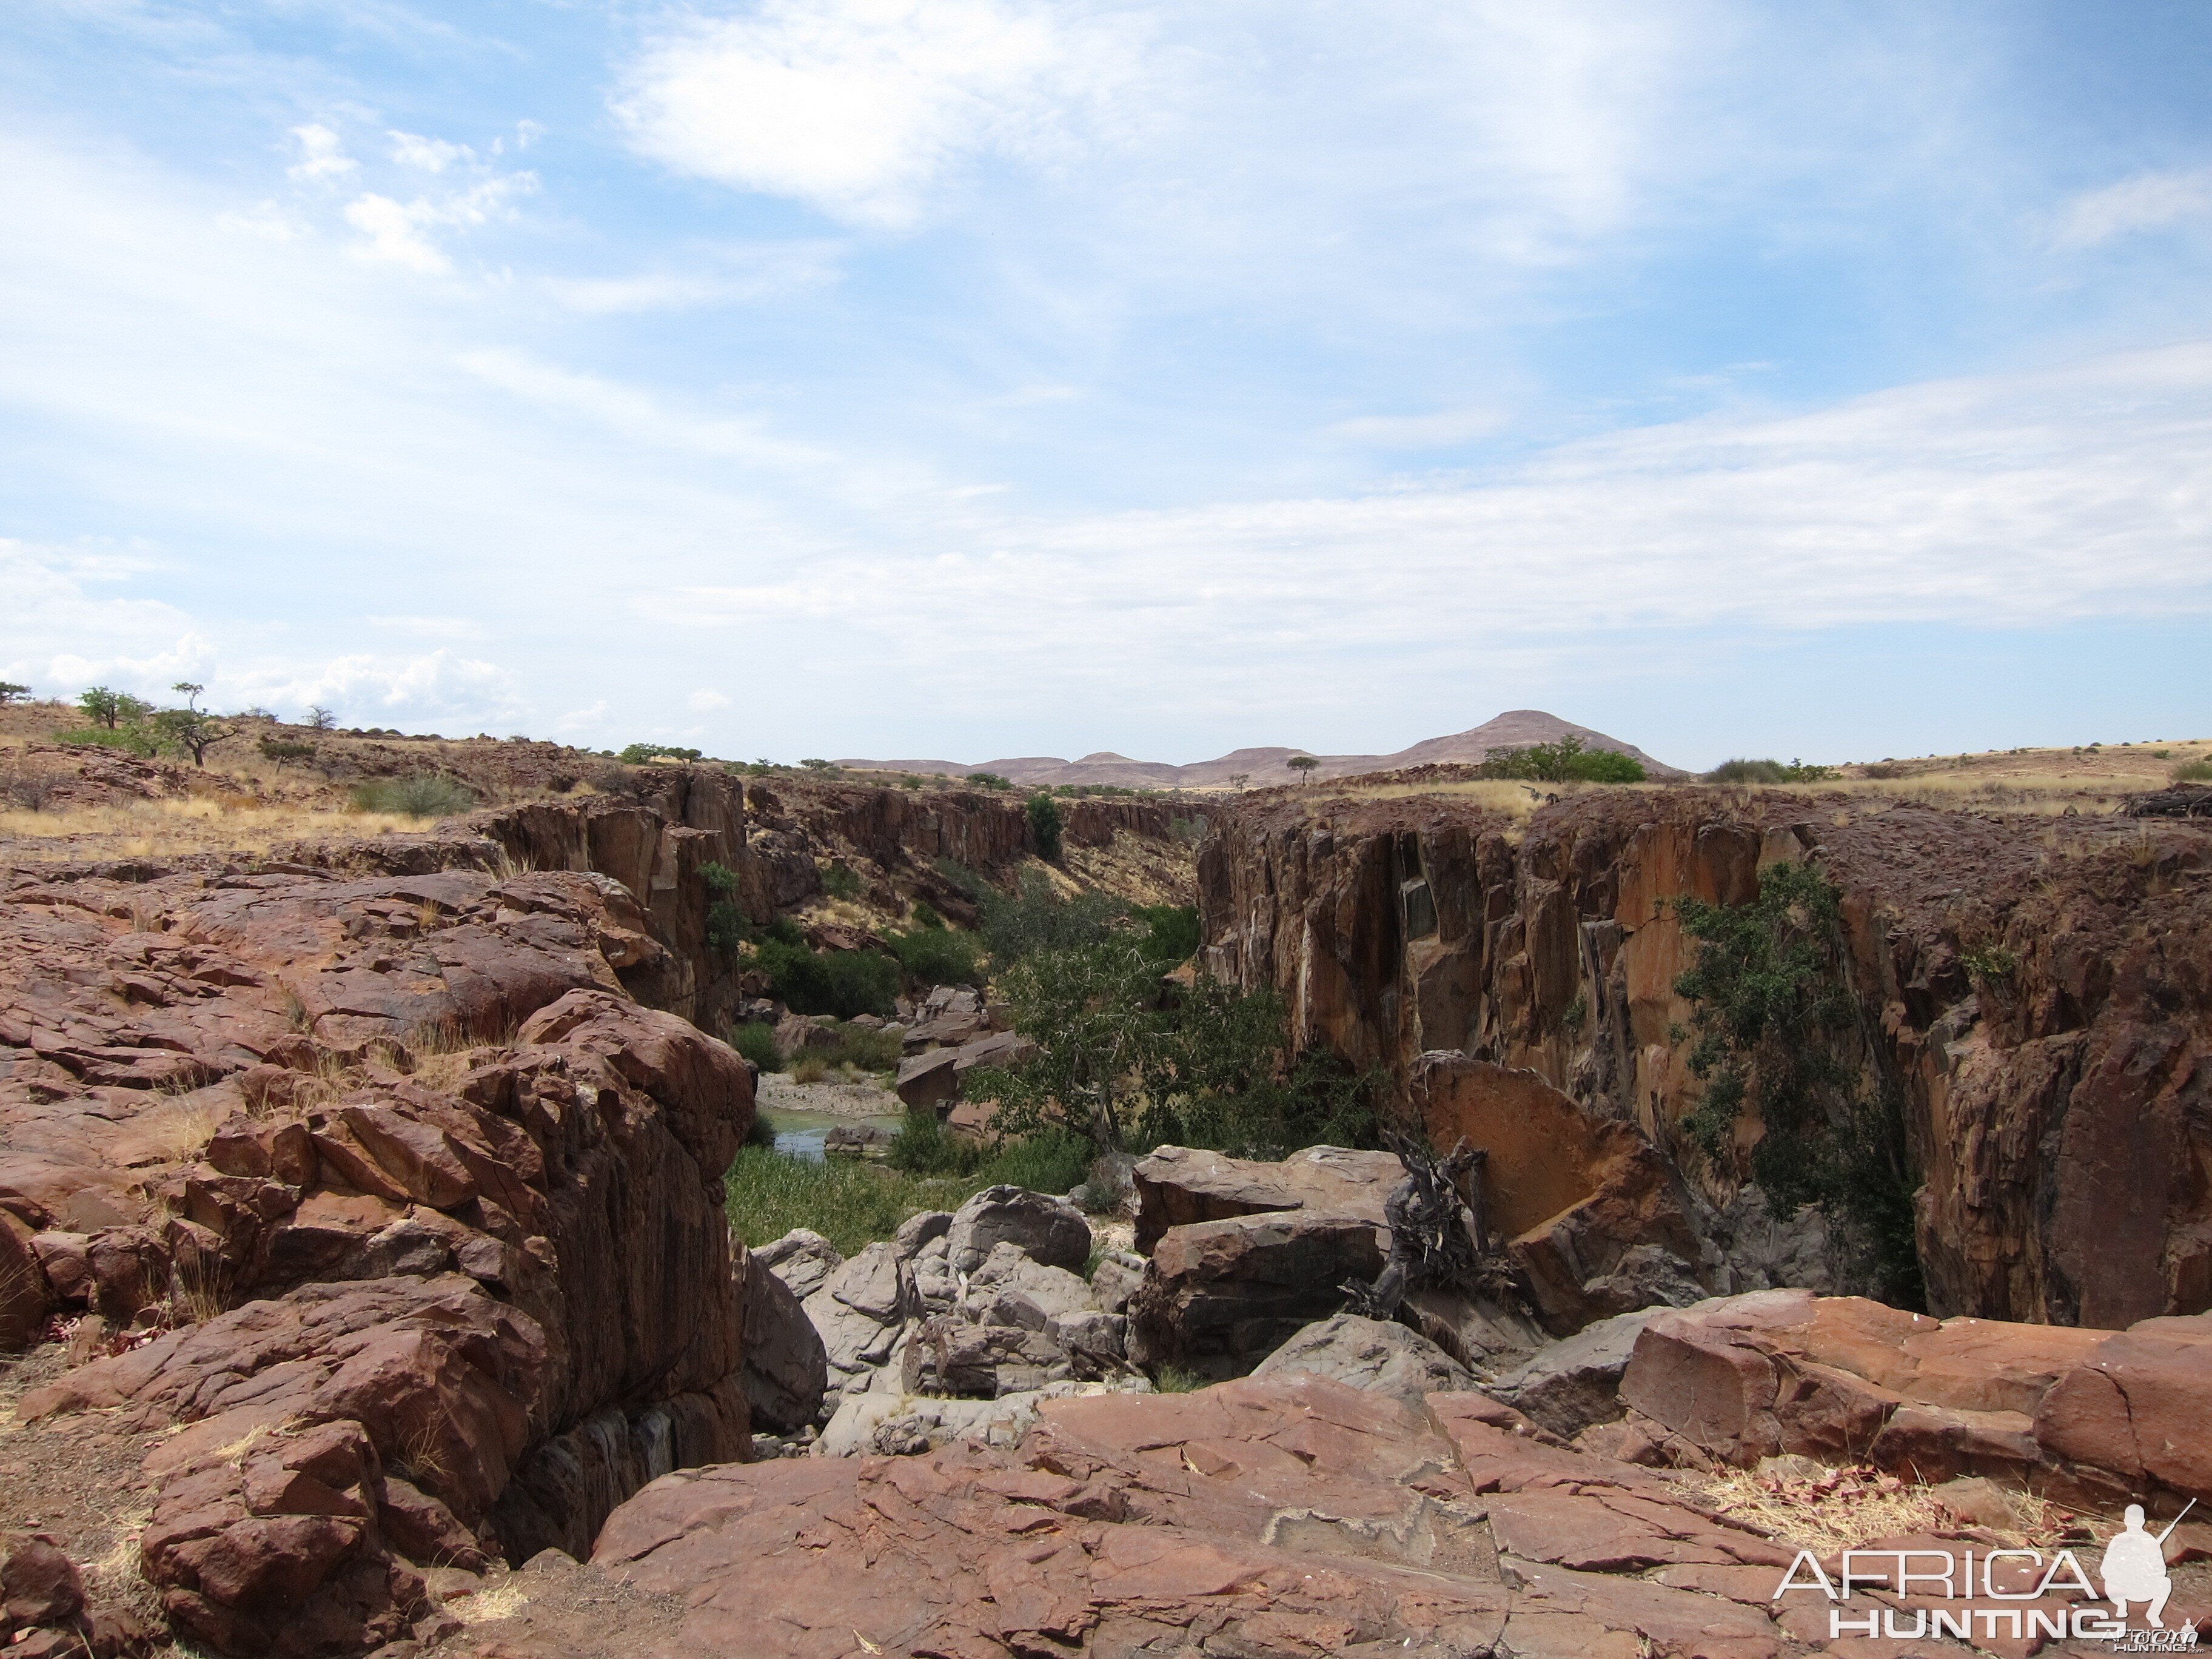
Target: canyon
361, 1236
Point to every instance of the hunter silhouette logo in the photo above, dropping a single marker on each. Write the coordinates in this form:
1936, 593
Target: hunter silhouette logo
1983, 1594
2134, 1567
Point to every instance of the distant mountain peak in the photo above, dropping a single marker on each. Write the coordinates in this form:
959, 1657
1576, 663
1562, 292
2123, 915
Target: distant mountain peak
1516, 728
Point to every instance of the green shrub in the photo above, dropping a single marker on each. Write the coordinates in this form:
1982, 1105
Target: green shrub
1044, 826
840, 983
989, 780
1563, 762
113, 709
925, 915
1776, 1023
1034, 916
637, 754
2196, 771
857, 1045
725, 922
1118, 1062
756, 1041
938, 956
1768, 771
281, 750
133, 738
841, 881
425, 795
1171, 931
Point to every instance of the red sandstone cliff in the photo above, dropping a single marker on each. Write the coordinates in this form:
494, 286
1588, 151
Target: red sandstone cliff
2062, 1115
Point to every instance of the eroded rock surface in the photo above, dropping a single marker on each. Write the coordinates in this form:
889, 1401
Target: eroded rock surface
405, 1213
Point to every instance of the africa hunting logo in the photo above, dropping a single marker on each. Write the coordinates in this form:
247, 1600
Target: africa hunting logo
2024, 1593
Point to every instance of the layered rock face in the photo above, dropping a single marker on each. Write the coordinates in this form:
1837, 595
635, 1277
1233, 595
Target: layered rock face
2057, 1101
897, 836
389, 1197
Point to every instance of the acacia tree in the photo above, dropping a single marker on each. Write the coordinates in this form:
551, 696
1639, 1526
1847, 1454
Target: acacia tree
9, 690
1303, 765
192, 728
320, 718
1238, 780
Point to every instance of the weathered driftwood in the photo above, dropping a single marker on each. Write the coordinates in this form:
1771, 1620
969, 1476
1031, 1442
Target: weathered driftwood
1436, 1234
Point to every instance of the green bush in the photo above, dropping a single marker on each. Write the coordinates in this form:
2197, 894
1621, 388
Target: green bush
938, 956
281, 750
1034, 916
858, 1045
1119, 1063
1563, 762
2196, 771
1777, 1025
425, 795
637, 754
841, 881
840, 983
1768, 771
925, 915
1044, 826
1171, 931
725, 922
133, 738
756, 1041
989, 780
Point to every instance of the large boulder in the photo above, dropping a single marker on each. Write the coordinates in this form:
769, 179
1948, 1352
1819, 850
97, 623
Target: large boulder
802, 1259
2085, 1416
1589, 1209
1176, 1185
1047, 1230
1219, 1296
787, 1366
1569, 1385
1369, 1353
859, 1309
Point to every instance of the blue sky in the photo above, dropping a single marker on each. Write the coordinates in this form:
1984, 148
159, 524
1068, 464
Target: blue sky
970, 378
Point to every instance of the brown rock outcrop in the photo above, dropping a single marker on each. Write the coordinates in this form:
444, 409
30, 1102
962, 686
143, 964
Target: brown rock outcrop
1290, 1515
2053, 1100
2081, 1415
465, 1188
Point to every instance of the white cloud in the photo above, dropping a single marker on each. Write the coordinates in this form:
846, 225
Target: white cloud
1441, 430
2028, 501
856, 105
399, 233
440, 688
430, 155
449, 628
2150, 201
705, 702
722, 277
322, 155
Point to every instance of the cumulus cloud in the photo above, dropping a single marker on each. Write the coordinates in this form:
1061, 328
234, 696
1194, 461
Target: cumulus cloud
856, 105
430, 155
705, 702
2149, 201
322, 155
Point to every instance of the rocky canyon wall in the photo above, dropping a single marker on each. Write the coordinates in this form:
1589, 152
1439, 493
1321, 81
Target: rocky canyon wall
2058, 1103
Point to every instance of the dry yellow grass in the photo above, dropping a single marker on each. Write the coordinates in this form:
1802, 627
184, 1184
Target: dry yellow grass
168, 828
1842, 1509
